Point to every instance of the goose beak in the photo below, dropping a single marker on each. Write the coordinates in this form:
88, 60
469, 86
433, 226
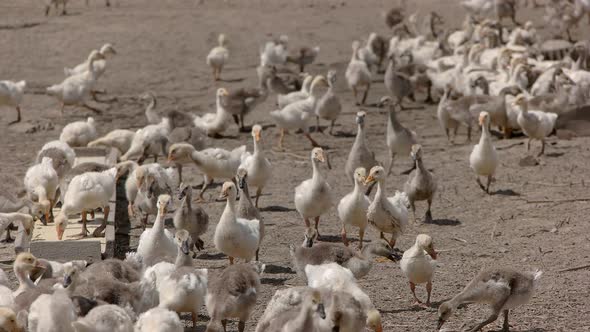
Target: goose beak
170, 158
257, 136
321, 311
432, 253
394, 256
440, 323
481, 120
223, 195
184, 247
369, 179
60, 233
379, 328
67, 281
28, 230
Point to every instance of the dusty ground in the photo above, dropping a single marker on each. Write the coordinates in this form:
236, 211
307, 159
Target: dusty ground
162, 46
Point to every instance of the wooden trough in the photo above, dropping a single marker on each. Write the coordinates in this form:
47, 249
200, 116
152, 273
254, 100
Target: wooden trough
44, 242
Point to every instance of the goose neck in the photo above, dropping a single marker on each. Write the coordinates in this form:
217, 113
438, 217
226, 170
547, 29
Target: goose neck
182, 259
360, 135
317, 175
159, 223
23, 278
230, 207
393, 122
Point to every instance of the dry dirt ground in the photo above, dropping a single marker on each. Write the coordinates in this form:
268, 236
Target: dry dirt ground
162, 47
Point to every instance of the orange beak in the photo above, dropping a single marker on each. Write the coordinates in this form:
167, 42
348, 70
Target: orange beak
379, 328
369, 179
170, 158
28, 231
257, 136
432, 253
481, 120
60, 233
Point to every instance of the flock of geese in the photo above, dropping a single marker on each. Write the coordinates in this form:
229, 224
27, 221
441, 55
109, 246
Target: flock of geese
485, 72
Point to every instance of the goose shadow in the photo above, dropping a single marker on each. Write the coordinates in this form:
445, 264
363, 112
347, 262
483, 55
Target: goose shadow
277, 269
554, 154
208, 256
444, 222
19, 26
232, 80
505, 192
276, 208
273, 281
329, 238
344, 134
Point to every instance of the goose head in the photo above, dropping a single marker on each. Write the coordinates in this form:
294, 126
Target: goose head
316, 301
61, 223
28, 224
26, 262
183, 239
125, 167
424, 242
332, 76
374, 320
359, 175
95, 55
377, 174
416, 152
222, 40
317, 81
180, 151
309, 237
45, 205
163, 203
37, 210
520, 101
360, 118
107, 49
484, 119
257, 132
241, 177
222, 92
355, 46
8, 320
185, 191
148, 95
71, 273
444, 313
317, 154
228, 191
383, 249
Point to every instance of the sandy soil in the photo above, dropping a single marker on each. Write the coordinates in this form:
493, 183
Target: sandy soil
162, 46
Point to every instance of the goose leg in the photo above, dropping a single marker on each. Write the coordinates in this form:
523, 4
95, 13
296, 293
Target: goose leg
231, 260
332, 127
361, 237
413, 289
480, 184
144, 221
428, 291
542, 148
206, 183
236, 119
392, 241
8, 239
355, 93
241, 326
528, 145
194, 319
179, 169
313, 142
130, 210
489, 320
366, 93
469, 134
258, 193
317, 223
413, 206
224, 323
155, 158
317, 126
488, 185
98, 232
47, 8
381, 236
281, 139
505, 326
307, 223
428, 215
242, 127
84, 232
18, 118
257, 251
343, 234
93, 109
391, 156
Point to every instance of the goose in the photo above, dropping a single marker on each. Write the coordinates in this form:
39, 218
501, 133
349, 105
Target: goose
41, 183
246, 209
360, 155
10, 203
257, 166
399, 138
114, 268
218, 56
56, 3
156, 244
535, 124
268, 78
22, 220
484, 158
119, 139
367, 54
301, 319
240, 102
352, 208
285, 99
79, 133
358, 74
152, 181
191, 135
298, 114
338, 278
359, 263
303, 56
52, 312
212, 162
313, 197
8, 320
6, 297
98, 65
387, 214
184, 289
149, 140
235, 237
450, 117
86, 192
418, 267
158, 320
213, 124
397, 83
11, 94
75, 89
504, 289
23, 265
233, 294
421, 184
62, 155
191, 218
274, 53
105, 318
150, 111
329, 106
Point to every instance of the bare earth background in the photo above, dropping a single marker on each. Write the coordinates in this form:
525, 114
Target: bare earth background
162, 47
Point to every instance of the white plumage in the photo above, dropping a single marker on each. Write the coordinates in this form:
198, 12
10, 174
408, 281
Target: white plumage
218, 56
79, 133
149, 140
99, 66
119, 138
157, 243
158, 320
41, 183
11, 94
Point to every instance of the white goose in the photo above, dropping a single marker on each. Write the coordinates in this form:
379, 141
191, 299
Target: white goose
150, 140
298, 114
418, 265
79, 133
387, 214
313, 197
484, 158
218, 56
213, 124
11, 94
41, 184
535, 124
258, 168
213, 162
284, 100
100, 65
157, 243
329, 105
235, 237
119, 139
75, 89
352, 208
358, 74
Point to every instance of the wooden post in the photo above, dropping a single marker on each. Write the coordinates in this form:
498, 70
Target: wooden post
122, 223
